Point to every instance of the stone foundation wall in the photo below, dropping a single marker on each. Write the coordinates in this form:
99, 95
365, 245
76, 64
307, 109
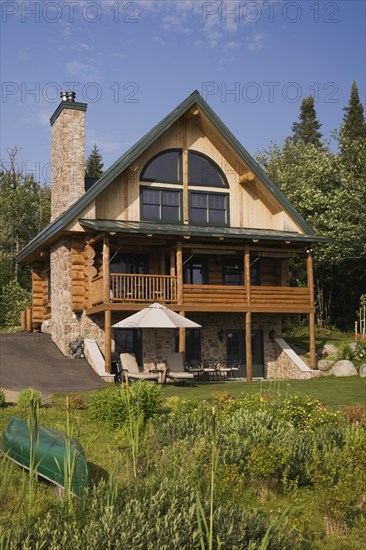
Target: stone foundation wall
285, 369
214, 350
93, 328
64, 325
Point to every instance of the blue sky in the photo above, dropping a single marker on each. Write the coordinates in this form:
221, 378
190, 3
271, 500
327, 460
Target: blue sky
134, 61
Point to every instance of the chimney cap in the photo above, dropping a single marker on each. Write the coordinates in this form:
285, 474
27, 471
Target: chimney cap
68, 96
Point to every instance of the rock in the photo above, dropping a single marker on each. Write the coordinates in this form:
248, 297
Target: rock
353, 346
329, 349
325, 373
325, 364
363, 370
344, 368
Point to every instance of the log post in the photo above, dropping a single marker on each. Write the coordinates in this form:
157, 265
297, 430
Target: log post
107, 340
28, 317
106, 300
248, 345
310, 281
106, 271
182, 337
22, 321
247, 273
179, 268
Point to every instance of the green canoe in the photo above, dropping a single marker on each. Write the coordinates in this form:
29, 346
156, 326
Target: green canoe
54, 454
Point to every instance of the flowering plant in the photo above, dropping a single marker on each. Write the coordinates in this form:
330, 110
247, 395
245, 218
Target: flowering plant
360, 350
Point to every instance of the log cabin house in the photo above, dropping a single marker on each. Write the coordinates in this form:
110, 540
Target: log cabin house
185, 217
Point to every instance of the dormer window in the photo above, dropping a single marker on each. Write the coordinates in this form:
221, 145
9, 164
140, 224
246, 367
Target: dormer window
204, 171
165, 167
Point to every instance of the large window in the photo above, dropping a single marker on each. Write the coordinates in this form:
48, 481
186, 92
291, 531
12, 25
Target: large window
204, 171
165, 167
209, 208
160, 204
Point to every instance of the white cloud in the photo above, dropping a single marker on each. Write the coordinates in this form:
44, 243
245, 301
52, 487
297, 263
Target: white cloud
255, 43
84, 71
232, 45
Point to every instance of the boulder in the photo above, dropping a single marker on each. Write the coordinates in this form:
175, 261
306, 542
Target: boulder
344, 368
325, 364
363, 370
329, 349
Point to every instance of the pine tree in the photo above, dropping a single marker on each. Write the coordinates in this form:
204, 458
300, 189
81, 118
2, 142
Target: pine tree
307, 130
354, 126
94, 164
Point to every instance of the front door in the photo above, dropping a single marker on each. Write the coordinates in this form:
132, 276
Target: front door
129, 340
235, 345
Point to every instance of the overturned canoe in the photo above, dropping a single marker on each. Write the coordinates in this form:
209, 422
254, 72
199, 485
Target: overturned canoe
56, 457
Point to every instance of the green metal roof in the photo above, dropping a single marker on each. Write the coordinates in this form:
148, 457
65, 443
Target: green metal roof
136, 150
183, 230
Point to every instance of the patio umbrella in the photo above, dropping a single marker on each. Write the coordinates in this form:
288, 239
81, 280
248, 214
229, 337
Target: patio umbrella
156, 316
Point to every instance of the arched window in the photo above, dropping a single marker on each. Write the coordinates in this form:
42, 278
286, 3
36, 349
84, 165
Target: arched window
204, 171
165, 167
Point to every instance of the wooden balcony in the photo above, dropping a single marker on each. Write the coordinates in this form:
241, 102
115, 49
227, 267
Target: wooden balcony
143, 289
272, 299
136, 288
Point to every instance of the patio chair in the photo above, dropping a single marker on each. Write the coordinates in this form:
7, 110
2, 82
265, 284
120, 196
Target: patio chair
224, 371
130, 366
175, 368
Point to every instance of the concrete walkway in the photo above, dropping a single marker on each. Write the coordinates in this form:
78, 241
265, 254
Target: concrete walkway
33, 360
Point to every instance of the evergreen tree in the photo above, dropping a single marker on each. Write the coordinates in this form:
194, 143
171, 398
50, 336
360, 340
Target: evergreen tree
354, 126
94, 164
307, 130
24, 211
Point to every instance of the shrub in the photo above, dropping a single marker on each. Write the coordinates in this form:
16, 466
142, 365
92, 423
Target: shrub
28, 397
114, 407
76, 402
13, 300
346, 352
2, 397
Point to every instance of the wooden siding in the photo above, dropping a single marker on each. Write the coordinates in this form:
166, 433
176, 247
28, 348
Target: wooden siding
251, 204
40, 303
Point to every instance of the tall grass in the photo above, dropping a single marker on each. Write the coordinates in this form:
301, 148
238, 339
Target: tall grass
33, 429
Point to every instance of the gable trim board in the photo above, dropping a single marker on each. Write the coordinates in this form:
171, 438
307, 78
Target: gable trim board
136, 150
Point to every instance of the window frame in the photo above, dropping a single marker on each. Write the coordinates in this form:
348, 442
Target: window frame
180, 167
210, 160
161, 190
208, 194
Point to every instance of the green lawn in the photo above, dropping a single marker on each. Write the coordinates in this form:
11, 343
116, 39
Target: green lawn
332, 391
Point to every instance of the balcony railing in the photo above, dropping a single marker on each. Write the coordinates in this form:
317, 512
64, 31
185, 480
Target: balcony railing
143, 288
163, 288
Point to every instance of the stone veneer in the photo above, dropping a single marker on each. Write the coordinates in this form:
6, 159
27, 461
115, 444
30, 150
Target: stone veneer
162, 341
285, 368
68, 156
64, 325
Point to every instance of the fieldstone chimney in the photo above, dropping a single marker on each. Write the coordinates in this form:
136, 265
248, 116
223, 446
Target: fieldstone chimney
68, 153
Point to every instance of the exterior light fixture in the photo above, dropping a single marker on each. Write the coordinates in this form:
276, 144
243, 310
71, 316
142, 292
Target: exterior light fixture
221, 334
149, 234
186, 237
288, 242
255, 240
272, 335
